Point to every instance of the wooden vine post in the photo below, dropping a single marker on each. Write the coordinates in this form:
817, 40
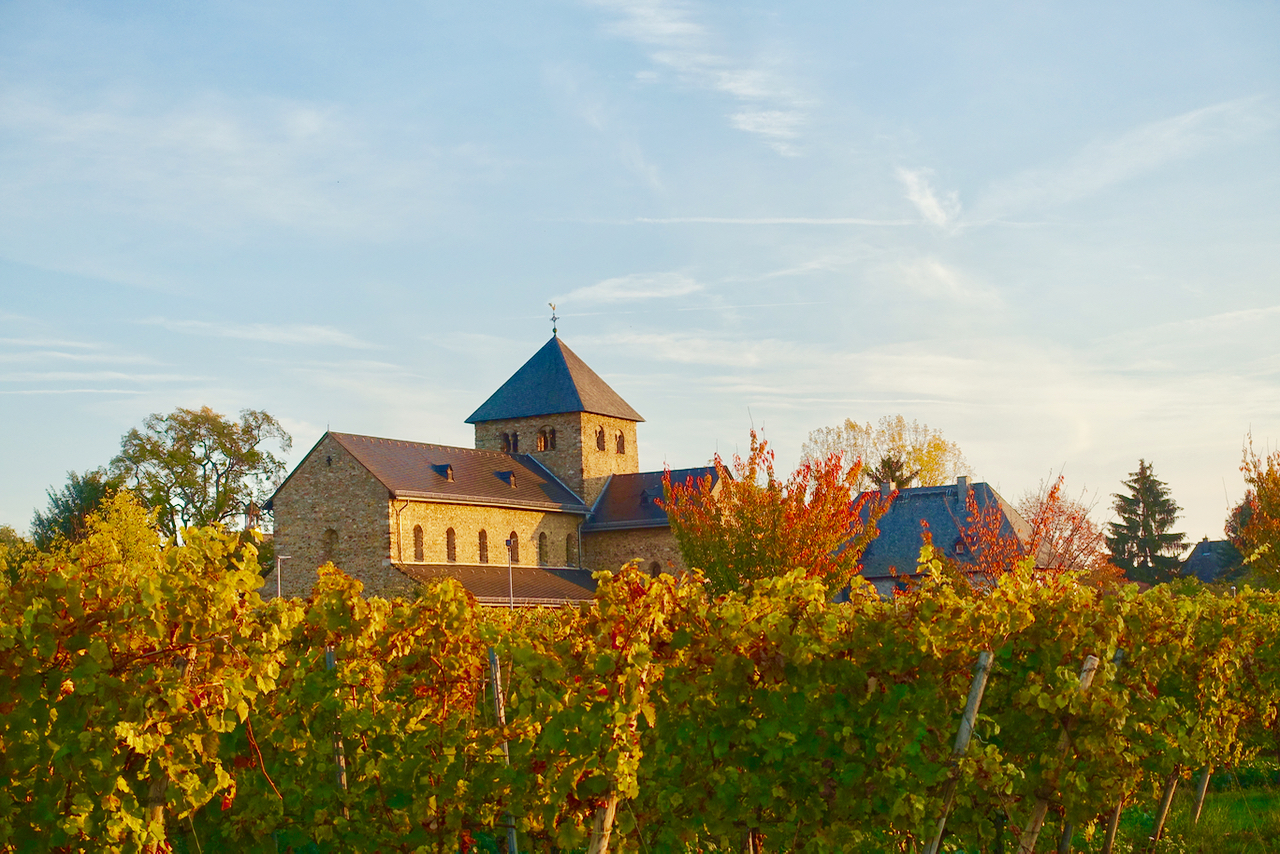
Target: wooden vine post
982, 670
500, 710
1166, 800
1201, 790
1032, 832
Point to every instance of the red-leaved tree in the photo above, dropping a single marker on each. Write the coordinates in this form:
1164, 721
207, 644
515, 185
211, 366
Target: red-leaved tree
747, 524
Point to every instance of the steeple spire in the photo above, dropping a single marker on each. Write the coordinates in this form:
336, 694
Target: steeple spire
554, 333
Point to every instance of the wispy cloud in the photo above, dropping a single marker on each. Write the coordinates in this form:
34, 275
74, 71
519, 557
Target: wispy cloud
770, 220
941, 211
265, 332
637, 286
768, 107
1107, 162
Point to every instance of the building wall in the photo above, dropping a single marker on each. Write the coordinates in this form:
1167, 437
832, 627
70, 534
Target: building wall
577, 459
612, 549
330, 491
468, 520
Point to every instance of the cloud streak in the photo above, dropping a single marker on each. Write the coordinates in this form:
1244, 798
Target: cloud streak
264, 332
941, 211
767, 107
1104, 163
637, 286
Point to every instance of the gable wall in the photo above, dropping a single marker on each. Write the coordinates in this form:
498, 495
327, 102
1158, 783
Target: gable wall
330, 490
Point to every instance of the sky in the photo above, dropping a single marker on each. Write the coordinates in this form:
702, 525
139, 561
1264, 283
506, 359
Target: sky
1046, 229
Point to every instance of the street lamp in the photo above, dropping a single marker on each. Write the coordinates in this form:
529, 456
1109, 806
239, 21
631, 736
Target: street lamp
279, 559
511, 583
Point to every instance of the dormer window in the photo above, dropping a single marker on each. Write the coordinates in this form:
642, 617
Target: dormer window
508, 477
445, 471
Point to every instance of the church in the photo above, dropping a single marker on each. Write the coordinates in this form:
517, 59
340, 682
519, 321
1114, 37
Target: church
552, 489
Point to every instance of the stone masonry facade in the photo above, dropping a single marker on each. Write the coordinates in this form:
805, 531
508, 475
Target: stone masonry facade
651, 546
577, 460
468, 520
332, 510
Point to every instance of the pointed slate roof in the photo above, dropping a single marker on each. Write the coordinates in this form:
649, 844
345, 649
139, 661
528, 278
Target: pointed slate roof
554, 380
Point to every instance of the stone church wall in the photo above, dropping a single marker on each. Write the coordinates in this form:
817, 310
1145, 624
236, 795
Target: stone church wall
577, 458
332, 509
467, 520
612, 549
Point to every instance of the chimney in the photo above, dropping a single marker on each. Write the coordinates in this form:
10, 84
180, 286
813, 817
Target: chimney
962, 488
886, 488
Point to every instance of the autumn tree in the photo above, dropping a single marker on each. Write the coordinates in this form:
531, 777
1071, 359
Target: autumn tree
196, 467
905, 449
1254, 526
66, 517
1064, 537
1141, 540
748, 524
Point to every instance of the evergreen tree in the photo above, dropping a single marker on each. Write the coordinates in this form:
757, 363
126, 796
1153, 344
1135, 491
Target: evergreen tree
1140, 541
69, 507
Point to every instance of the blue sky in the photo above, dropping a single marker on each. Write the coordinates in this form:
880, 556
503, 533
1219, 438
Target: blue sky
1047, 229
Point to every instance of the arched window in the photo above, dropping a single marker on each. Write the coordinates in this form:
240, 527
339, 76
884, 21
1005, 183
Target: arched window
551, 436
542, 440
506, 443
484, 546
543, 557
329, 546
450, 545
654, 569
620, 443
513, 547
417, 543
599, 438
515, 443
571, 550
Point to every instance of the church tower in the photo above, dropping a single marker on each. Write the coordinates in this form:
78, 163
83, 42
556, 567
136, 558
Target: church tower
559, 411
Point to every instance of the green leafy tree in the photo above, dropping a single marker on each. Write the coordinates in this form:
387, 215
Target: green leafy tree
914, 452
69, 507
1141, 540
196, 467
748, 524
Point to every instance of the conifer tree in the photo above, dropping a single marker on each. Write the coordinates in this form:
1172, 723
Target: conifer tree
1141, 540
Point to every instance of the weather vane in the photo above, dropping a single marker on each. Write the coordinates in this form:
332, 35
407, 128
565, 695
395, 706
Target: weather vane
554, 334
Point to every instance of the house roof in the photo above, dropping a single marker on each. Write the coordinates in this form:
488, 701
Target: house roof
460, 475
897, 547
1210, 559
628, 500
533, 585
554, 380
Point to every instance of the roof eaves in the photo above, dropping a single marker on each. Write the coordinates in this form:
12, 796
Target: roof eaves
440, 498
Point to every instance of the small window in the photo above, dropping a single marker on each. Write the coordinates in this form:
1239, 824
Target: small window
506, 443
571, 550
329, 546
513, 547
417, 543
544, 557
551, 437
620, 443
450, 545
544, 441
484, 546
599, 438
515, 443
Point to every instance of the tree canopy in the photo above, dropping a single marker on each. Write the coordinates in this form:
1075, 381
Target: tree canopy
1063, 535
749, 524
894, 447
69, 507
196, 467
1141, 540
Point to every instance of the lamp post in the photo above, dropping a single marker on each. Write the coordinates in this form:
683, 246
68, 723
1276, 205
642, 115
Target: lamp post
279, 560
511, 583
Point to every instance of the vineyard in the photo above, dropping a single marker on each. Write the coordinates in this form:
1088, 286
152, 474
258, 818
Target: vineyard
153, 701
